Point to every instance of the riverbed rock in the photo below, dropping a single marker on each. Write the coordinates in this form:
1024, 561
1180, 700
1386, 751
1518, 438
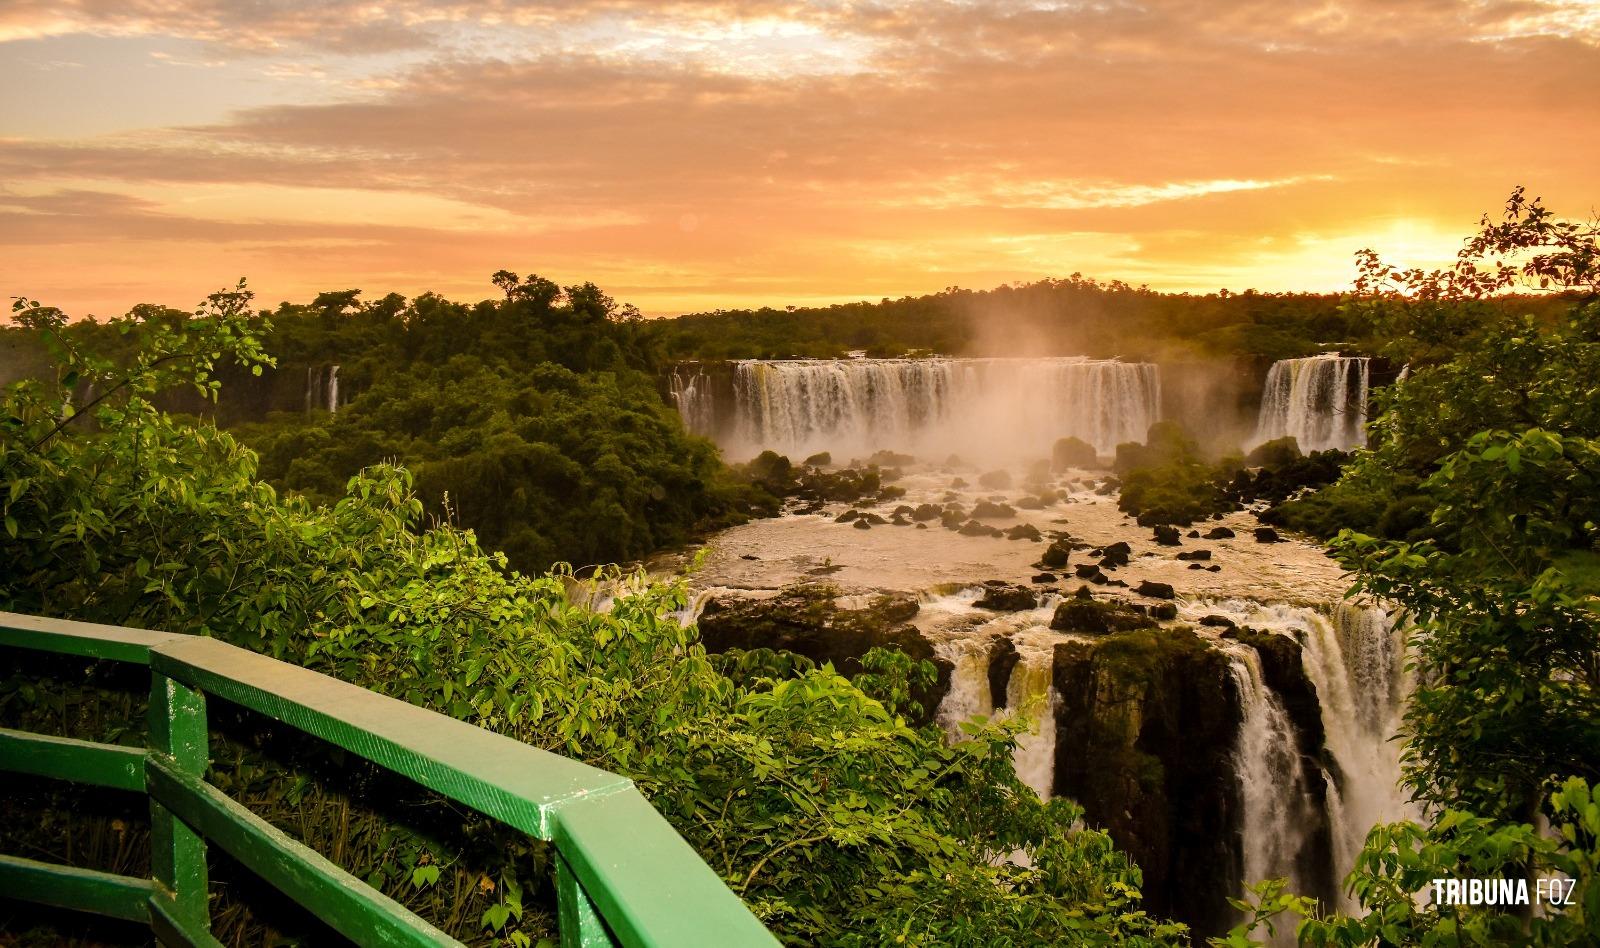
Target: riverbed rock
820, 459
1115, 555
926, 512
1219, 533
1044, 577
848, 516
1267, 535
1155, 590
1069, 453
806, 619
1006, 597
1003, 657
1217, 622
1195, 555
862, 524
989, 510
1097, 617
1167, 536
1162, 611
1055, 555
1087, 571
1146, 726
995, 480
1024, 531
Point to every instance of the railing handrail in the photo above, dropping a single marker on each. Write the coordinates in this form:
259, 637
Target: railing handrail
623, 872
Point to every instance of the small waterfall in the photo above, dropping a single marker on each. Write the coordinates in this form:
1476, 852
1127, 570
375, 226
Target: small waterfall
969, 682
690, 388
1320, 401
1030, 689
1278, 804
1355, 657
322, 388
995, 408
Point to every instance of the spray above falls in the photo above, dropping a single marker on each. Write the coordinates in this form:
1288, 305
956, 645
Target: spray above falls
1320, 401
994, 408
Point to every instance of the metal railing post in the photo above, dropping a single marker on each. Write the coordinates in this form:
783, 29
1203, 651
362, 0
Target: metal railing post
178, 853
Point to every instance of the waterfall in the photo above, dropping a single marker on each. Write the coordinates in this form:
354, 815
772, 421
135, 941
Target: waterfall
690, 387
969, 694
322, 388
993, 408
1355, 657
1029, 690
1278, 806
1320, 401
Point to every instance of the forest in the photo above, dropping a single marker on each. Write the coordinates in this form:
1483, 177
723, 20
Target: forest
440, 530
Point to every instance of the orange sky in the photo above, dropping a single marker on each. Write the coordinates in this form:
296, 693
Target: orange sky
690, 155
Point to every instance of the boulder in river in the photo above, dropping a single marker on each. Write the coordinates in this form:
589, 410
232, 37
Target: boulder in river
862, 524
1219, 533
1267, 535
1044, 577
1006, 597
1055, 555
1163, 612
988, 510
926, 512
1217, 622
1024, 531
1096, 617
996, 480
1195, 555
848, 516
1167, 536
1155, 590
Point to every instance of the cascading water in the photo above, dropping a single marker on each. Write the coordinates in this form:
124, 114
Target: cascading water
1320, 401
322, 388
1278, 806
690, 387
991, 408
1030, 691
1354, 657
969, 694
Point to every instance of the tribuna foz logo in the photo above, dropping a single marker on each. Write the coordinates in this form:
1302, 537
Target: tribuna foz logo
1503, 892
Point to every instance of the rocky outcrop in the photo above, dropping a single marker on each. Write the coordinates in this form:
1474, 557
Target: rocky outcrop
1003, 658
806, 619
1145, 733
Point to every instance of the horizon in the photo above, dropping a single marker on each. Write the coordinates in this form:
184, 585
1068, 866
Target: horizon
697, 156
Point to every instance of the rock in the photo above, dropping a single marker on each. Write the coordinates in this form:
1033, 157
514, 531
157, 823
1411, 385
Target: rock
1218, 622
1267, 535
1003, 657
1214, 568
874, 519
1031, 503
1196, 566
1005, 597
891, 459
1044, 577
805, 619
1167, 536
950, 520
900, 521
1094, 617
958, 483
1155, 590
922, 526
904, 510
987, 510
748, 556
848, 516
1163, 612
1024, 531
820, 459
1115, 582
1086, 570
973, 528
1115, 555
862, 525
1193, 534
926, 512
1219, 533
1195, 555
1069, 453
1056, 554
996, 480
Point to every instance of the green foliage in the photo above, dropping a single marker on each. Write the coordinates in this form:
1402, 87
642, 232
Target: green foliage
811, 795
1165, 481
1401, 860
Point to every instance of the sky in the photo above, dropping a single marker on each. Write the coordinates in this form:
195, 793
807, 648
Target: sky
689, 155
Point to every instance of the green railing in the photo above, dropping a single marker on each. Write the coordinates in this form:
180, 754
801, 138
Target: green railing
623, 875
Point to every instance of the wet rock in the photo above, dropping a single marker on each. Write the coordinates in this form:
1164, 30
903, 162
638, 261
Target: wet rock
926, 512
1115, 582
748, 556
1115, 555
1155, 590
1219, 533
1195, 555
1087, 571
922, 526
1056, 554
1006, 597
1044, 577
1024, 531
862, 525
1163, 612
996, 480
820, 459
988, 510
904, 510
1217, 622
1193, 534
848, 516
900, 521
1096, 617
891, 459
1214, 568
874, 519
950, 520
1196, 566
1031, 503
1167, 536
1068, 453
973, 528
1003, 657
1267, 535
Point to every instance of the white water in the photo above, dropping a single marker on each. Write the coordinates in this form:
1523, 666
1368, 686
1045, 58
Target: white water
1320, 401
1030, 692
322, 388
1354, 657
690, 387
990, 409
1278, 809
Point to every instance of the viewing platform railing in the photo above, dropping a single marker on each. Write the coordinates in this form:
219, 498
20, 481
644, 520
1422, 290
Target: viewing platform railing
623, 875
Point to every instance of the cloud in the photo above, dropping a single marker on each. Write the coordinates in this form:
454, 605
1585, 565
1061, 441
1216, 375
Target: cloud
823, 150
